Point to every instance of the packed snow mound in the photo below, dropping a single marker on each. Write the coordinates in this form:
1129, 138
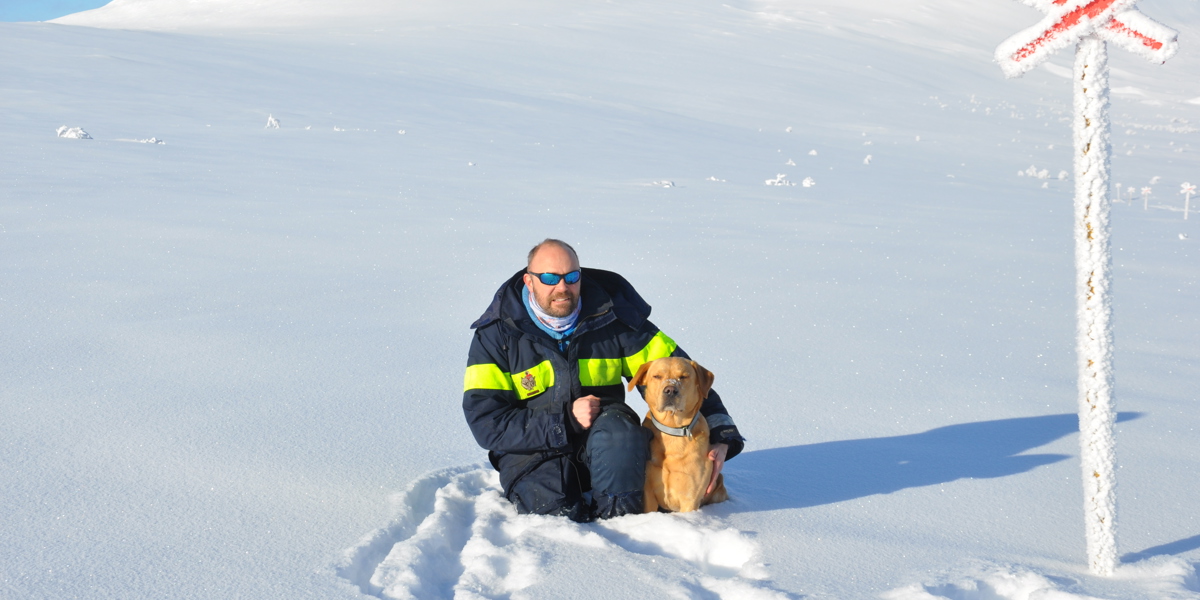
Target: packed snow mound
457, 536
1164, 577
72, 133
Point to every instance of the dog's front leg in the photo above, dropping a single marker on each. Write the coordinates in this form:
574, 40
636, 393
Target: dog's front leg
650, 503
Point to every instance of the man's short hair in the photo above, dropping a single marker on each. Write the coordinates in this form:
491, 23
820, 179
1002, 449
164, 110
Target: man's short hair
552, 242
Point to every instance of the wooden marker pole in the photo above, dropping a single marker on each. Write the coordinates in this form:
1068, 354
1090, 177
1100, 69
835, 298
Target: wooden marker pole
1093, 268
1090, 24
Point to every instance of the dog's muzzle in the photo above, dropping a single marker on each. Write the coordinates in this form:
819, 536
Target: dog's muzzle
670, 395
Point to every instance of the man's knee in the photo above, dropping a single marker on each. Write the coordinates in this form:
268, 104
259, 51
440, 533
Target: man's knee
617, 449
617, 441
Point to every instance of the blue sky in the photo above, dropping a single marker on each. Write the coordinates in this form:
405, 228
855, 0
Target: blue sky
42, 10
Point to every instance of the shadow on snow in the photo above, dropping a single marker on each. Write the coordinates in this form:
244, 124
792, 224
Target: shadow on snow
1173, 548
816, 474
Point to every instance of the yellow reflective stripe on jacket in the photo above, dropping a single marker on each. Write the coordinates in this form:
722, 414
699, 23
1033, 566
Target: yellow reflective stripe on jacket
660, 346
526, 384
531, 382
486, 377
599, 371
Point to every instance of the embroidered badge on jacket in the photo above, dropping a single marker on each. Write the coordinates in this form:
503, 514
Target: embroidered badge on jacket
529, 382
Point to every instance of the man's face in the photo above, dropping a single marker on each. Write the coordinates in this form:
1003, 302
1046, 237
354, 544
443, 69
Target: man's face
556, 300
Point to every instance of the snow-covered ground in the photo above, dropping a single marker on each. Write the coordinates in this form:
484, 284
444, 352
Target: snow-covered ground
232, 355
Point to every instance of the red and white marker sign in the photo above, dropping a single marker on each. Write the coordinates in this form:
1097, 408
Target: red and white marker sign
1067, 21
1090, 25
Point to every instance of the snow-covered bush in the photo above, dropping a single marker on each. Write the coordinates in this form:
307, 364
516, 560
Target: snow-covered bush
73, 133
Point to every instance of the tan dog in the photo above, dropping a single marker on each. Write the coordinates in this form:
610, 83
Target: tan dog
679, 469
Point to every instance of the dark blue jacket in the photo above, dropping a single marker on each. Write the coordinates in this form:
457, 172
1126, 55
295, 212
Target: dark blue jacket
519, 385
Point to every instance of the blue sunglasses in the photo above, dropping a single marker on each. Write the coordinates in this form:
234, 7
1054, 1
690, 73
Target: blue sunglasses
554, 278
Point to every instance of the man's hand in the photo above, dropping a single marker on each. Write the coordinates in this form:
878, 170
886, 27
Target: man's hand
585, 410
716, 453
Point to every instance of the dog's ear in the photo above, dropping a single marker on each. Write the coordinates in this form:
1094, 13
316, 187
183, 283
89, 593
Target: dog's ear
704, 379
639, 376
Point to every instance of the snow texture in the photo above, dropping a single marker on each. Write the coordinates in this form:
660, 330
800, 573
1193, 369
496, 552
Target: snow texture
229, 358
457, 536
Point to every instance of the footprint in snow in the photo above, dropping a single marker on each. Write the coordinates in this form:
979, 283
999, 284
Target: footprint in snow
457, 537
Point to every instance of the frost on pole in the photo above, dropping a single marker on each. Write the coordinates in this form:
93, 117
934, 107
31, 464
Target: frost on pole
1089, 24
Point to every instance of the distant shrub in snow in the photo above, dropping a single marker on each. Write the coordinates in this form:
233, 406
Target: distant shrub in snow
808, 182
1187, 190
812, 152
73, 133
664, 183
867, 160
1033, 171
272, 122
780, 179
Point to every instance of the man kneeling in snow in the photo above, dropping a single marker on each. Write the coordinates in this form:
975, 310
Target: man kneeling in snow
543, 389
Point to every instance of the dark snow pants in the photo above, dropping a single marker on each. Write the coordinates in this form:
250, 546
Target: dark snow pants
611, 463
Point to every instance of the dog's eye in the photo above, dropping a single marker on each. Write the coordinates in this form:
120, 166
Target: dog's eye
656, 377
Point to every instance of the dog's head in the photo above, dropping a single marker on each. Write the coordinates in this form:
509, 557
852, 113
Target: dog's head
675, 387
